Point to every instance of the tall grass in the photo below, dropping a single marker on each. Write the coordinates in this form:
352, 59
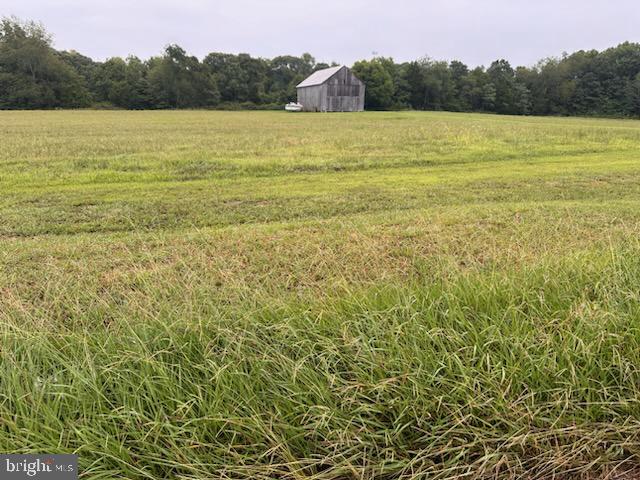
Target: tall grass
203, 295
521, 372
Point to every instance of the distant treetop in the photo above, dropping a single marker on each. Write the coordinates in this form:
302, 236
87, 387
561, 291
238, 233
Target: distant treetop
35, 75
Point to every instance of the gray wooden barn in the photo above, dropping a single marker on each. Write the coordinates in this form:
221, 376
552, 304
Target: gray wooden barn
334, 89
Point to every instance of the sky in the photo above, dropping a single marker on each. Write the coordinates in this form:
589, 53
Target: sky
475, 32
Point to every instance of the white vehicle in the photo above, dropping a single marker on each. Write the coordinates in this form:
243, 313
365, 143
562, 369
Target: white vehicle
293, 107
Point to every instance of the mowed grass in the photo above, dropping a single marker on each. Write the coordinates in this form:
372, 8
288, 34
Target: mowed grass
202, 295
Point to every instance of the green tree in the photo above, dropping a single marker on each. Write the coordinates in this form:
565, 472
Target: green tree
84, 66
240, 78
380, 89
481, 93
488, 96
32, 74
439, 85
588, 95
502, 77
461, 87
284, 73
633, 96
416, 89
122, 83
177, 80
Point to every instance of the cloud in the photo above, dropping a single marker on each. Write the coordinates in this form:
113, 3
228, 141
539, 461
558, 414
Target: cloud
476, 32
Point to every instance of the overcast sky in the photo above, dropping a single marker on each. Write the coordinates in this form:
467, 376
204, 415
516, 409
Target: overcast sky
474, 31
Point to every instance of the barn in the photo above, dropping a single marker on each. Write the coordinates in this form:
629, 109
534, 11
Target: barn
334, 89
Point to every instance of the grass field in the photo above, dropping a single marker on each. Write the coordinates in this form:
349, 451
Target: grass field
203, 295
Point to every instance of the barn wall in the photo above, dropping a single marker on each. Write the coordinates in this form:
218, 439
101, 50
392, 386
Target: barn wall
311, 98
324, 101
343, 92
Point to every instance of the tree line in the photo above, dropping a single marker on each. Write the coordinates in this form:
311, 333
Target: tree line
34, 75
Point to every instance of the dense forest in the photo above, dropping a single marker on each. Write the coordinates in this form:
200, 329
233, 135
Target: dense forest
33, 75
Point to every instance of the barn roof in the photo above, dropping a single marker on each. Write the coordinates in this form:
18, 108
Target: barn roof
319, 77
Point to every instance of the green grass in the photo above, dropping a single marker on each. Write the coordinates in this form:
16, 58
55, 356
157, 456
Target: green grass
204, 295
